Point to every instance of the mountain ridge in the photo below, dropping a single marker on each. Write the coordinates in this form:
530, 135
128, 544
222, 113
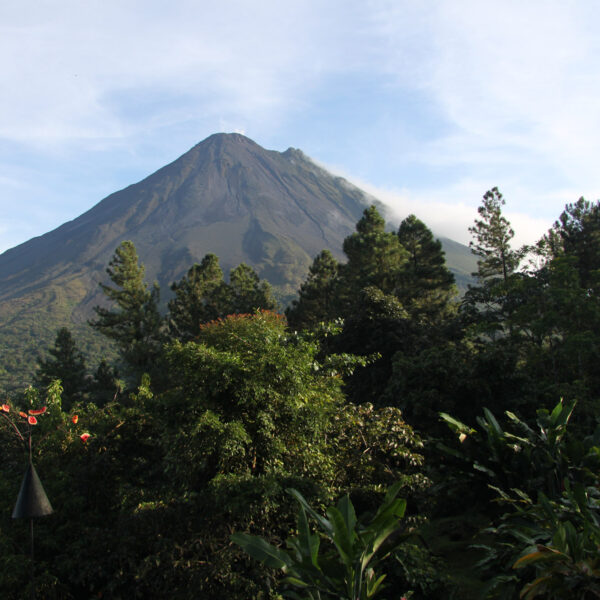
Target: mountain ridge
226, 195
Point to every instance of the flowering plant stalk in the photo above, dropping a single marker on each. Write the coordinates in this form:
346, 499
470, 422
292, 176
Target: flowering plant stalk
29, 419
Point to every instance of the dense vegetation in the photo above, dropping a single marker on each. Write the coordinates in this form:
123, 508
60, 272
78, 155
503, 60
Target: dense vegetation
452, 443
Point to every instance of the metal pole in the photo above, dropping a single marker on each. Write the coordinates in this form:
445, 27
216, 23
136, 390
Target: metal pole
32, 561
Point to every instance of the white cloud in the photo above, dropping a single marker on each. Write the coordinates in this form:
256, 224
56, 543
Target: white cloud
450, 212
459, 95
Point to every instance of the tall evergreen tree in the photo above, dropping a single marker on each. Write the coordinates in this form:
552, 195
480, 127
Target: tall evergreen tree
134, 323
247, 292
200, 296
375, 259
105, 385
576, 233
493, 234
426, 286
317, 300
66, 363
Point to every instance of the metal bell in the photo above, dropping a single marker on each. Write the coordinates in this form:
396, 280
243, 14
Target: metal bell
32, 500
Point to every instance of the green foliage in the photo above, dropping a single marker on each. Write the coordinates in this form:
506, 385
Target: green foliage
199, 297
375, 259
318, 296
135, 324
346, 569
105, 385
558, 534
67, 364
576, 233
493, 233
426, 286
258, 386
375, 447
202, 296
566, 555
247, 293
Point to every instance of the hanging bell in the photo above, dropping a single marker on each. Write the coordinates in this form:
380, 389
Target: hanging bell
32, 500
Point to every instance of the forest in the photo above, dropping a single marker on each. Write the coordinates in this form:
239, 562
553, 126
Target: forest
382, 437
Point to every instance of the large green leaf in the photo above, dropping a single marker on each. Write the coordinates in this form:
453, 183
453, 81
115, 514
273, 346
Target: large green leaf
308, 544
342, 538
347, 511
263, 551
323, 523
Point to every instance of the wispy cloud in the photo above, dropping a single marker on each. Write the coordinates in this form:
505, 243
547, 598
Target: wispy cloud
440, 101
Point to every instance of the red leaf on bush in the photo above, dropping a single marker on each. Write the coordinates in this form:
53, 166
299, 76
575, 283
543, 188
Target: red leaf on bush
32, 420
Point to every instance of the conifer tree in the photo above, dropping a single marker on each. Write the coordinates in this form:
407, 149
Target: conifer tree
317, 300
375, 259
105, 384
66, 363
200, 296
247, 293
576, 233
426, 286
493, 233
134, 323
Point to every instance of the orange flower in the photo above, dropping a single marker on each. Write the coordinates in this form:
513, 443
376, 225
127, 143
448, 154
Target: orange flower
32, 420
74, 418
84, 437
39, 411
22, 414
6, 408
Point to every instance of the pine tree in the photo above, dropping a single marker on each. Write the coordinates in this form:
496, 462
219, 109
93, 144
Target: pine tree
200, 296
105, 385
66, 363
577, 234
426, 286
247, 293
317, 300
375, 259
493, 233
135, 323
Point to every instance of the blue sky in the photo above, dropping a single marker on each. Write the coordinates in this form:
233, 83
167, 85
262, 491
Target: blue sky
426, 105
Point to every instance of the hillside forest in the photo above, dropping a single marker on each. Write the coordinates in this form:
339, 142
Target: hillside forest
383, 437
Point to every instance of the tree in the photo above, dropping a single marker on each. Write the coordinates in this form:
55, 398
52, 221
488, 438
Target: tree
426, 286
247, 293
135, 324
375, 259
493, 233
246, 387
200, 296
66, 363
105, 385
317, 300
576, 233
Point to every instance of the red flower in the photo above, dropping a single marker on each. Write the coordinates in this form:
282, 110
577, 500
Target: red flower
74, 418
84, 437
6, 408
39, 411
32, 420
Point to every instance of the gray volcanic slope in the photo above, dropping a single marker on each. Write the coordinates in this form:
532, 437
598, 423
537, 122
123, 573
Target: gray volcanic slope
274, 211
227, 195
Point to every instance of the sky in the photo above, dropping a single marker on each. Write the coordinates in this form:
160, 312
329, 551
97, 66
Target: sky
426, 105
